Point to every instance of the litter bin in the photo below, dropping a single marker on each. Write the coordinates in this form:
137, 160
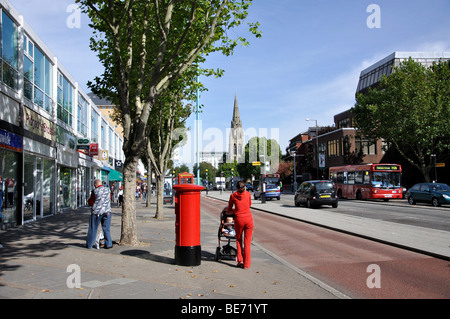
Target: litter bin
187, 225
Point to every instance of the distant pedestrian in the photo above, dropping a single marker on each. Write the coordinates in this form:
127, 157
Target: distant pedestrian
120, 197
243, 223
100, 213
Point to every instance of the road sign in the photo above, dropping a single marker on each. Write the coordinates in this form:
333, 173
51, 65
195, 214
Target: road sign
256, 163
440, 164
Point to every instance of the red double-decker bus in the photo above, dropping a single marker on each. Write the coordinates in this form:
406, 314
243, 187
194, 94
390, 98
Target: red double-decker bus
368, 181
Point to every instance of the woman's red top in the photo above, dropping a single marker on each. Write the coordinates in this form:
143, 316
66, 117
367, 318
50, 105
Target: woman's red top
242, 202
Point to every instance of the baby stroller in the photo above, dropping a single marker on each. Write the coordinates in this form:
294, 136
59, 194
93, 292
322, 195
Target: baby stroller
226, 235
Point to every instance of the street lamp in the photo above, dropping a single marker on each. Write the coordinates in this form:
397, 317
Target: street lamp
435, 171
295, 171
232, 171
197, 131
317, 145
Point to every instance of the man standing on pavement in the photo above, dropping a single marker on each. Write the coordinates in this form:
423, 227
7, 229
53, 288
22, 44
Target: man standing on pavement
100, 213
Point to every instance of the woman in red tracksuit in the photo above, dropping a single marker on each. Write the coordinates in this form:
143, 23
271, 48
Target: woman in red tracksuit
243, 223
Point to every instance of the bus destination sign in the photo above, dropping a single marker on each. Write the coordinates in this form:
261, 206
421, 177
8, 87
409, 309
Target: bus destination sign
387, 167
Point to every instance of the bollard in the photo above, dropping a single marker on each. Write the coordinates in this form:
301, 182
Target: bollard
187, 225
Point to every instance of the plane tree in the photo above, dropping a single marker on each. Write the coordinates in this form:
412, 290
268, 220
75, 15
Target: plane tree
410, 110
146, 45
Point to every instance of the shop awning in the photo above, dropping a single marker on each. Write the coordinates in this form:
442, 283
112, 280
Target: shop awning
115, 176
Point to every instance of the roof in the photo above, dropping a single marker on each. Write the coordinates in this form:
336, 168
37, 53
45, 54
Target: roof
406, 55
98, 101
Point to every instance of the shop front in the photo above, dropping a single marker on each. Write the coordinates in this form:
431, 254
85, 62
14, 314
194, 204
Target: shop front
39, 167
11, 148
67, 164
39, 187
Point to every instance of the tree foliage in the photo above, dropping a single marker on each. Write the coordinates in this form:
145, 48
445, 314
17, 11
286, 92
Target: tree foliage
410, 110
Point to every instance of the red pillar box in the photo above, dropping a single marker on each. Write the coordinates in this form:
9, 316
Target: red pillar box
187, 225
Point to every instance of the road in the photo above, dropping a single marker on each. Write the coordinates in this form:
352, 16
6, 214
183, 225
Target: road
398, 211
357, 267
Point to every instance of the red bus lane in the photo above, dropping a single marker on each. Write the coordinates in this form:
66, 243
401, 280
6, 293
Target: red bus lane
357, 267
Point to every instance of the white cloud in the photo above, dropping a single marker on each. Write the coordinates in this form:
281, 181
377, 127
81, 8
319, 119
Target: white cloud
437, 46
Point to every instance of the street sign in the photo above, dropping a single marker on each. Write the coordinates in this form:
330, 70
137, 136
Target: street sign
256, 163
440, 164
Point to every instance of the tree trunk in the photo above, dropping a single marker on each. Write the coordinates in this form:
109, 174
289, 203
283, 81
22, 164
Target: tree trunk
159, 196
129, 236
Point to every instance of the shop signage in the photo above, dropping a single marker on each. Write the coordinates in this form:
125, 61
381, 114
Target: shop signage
93, 151
119, 165
39, 125
104, 155
65, 138
11, 141
83, 144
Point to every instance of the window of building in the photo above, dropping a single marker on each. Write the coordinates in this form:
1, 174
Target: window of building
110, 142
116, 147
94, 127
38, 76
367, 147
9, 52
65, 99
104, 137
82, 115
333, 148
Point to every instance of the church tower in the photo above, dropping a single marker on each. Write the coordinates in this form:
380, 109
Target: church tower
236, 150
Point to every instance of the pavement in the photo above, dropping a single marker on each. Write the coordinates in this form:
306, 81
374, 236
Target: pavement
47, 259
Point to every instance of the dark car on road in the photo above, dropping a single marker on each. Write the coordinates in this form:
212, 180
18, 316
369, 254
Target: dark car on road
434, 193
316, 193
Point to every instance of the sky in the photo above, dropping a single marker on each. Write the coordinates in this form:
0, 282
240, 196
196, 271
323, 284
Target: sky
306, 65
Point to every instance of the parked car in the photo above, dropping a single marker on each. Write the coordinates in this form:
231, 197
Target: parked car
272, 191
316, 193
434, 193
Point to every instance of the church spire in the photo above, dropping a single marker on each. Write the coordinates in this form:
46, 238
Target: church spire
237, 141
236, 122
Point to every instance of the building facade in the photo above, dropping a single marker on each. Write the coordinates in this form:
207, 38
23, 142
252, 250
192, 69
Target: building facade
54, 141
